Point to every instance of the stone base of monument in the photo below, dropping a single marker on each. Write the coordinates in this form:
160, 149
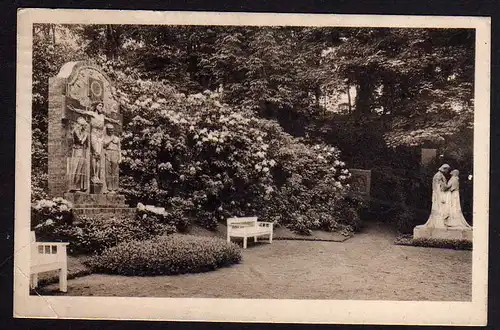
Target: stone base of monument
81, 199
98, 204
96, 188
103, 211
442, 233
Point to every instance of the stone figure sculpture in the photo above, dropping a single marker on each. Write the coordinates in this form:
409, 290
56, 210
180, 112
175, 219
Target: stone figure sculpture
97, 126
112, 158
455, 217
440, 208
77, 167
446, 220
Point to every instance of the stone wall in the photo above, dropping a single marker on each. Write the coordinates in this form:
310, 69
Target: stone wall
57, 142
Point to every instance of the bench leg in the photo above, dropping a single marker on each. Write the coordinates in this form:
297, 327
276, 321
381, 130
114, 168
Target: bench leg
63, 279
255, 239
244, 242
34, 281
271, 237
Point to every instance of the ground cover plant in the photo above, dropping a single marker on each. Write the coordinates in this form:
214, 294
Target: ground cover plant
455, 244
166, 255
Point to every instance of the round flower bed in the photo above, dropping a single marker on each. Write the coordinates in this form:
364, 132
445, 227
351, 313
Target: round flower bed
166, 255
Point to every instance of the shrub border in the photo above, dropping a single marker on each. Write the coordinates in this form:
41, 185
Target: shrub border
454, 244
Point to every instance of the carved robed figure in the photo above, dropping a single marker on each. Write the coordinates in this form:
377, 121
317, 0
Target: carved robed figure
112, 158
77, 168
439, 209
455, 217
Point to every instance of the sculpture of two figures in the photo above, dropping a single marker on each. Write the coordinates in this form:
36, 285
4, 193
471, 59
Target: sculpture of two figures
104, 151
446, 211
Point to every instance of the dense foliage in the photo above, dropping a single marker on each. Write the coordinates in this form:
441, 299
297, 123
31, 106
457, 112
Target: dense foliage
400, 186
48, 57
52, 220
166, 255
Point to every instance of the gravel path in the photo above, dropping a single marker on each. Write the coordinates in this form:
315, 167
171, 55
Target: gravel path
368, 266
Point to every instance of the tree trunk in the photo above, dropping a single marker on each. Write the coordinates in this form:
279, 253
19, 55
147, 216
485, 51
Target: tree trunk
53, 30
317, 94
364, 96
349, 97
112, 39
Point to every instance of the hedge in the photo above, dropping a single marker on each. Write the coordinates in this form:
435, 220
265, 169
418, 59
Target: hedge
166, 255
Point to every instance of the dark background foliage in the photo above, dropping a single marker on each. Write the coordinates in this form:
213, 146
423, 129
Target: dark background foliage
414, 89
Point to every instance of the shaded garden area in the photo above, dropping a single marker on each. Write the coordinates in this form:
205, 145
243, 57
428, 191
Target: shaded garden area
221, 122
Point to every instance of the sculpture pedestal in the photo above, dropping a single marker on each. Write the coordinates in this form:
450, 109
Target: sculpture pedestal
98, 204
443, 233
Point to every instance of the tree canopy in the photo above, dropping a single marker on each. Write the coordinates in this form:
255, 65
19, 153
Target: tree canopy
420, 80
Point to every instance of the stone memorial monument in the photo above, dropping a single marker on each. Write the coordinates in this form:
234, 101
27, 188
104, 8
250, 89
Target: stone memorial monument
83, 140
446, 220
427, 156
361, 182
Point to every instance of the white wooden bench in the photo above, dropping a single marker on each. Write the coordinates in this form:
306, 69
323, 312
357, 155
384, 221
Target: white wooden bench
48, 256
248, 227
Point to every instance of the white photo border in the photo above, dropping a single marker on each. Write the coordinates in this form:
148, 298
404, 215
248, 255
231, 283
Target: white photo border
252, 310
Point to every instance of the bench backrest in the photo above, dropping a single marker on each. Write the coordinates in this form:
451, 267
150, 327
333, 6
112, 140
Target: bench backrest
244, 221
43, 253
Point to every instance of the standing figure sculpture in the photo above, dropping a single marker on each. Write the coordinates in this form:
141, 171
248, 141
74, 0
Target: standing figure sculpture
455, 218
77, 166
440, 208
97, 123
112, 157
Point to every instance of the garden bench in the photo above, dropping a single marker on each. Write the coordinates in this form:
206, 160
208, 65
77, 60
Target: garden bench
248, 227
48, 256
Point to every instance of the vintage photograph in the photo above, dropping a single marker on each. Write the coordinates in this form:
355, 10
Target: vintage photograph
246, 162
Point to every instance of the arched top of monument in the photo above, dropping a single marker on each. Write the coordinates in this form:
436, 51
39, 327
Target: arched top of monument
87, 83
71, 69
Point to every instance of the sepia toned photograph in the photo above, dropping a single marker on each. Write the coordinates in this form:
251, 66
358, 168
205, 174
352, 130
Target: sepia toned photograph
252, 167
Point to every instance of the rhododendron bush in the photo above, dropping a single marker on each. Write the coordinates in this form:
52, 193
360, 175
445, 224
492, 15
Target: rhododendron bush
206, 161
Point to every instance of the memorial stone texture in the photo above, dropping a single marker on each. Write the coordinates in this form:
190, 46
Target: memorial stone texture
361, 182
85, 123
427, 156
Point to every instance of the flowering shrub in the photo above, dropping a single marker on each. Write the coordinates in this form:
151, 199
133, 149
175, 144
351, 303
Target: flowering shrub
46, 212
175, 218
204, 160
38, 185
166, 255
94, 234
